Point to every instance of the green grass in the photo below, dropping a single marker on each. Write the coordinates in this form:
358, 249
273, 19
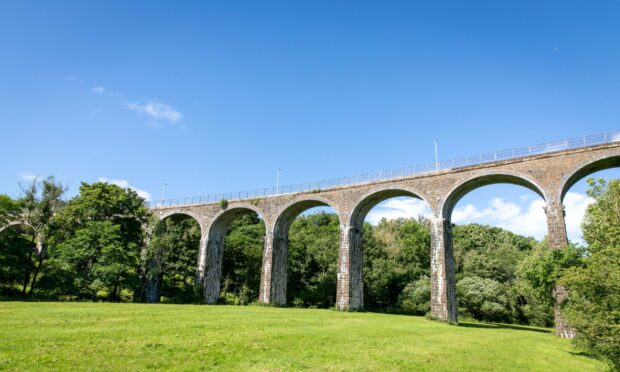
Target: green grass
103, 336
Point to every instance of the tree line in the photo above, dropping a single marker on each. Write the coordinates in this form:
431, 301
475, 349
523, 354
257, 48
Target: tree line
96, 246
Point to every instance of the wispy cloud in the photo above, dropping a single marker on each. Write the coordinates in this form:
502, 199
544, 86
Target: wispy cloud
157, 111
73, 79
125, 184
27, 176
98, 89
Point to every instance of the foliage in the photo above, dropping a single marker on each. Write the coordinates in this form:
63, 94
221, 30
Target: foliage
16, 261
545, 266
9, 209
94, 262
36, 211
396, 254
313, 259
98, 250
593, 305
243, 258
16, 250
483, 298
171, 259
416, 297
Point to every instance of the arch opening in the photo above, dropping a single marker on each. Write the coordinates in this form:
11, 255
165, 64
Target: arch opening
455, 195
233, 256
493, 228
390, 232
171, 259
305, 254
312, 242
575, 200
588, 169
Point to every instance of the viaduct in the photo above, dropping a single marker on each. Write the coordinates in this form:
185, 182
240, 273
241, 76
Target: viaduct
549, 170
550, 174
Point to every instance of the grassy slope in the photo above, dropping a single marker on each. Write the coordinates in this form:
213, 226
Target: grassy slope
137, 336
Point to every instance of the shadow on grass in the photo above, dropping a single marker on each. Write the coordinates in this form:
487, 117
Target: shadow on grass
504, 326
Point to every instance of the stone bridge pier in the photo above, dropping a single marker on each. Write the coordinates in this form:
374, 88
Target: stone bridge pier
550, 175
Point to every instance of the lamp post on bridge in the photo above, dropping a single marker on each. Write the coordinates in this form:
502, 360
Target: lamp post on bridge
163, 189
436, 157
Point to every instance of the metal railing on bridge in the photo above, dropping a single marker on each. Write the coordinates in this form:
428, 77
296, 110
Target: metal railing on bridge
412, 171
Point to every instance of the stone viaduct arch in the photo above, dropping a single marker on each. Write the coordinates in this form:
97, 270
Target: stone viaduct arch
444, 302
275, 256
487, 178
14, 223
350, 292
549, 174
584, 169
153, 286
215, 247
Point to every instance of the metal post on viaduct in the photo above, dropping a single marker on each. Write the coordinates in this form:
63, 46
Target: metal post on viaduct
549, 174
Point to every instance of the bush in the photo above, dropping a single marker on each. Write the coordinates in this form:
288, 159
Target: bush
416, 297
483, 299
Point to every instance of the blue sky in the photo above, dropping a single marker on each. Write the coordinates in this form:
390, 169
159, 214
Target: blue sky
213, 97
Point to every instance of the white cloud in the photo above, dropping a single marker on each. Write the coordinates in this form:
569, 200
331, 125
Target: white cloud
98, 89
73, 79
398, 208
28, 176
575, 205
157, 111
526, 217
101, 90
125, 184
528, 220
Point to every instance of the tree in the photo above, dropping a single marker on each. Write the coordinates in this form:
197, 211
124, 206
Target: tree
396, 255
313, 260
172, 257
39, 206
9, 210
16, 263
242, 261
593, 304
483, 299
416, 297
99, 248
15, 249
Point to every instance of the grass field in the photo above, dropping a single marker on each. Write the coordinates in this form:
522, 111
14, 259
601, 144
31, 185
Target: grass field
103, 336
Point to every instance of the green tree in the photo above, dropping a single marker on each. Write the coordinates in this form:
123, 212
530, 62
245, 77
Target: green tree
9, 210
99, 248
483, 299
171, 259
416, 297
15, 250
593, 304
39, 206
16, 263
396, 255
313, 260
489, 258
243, 258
